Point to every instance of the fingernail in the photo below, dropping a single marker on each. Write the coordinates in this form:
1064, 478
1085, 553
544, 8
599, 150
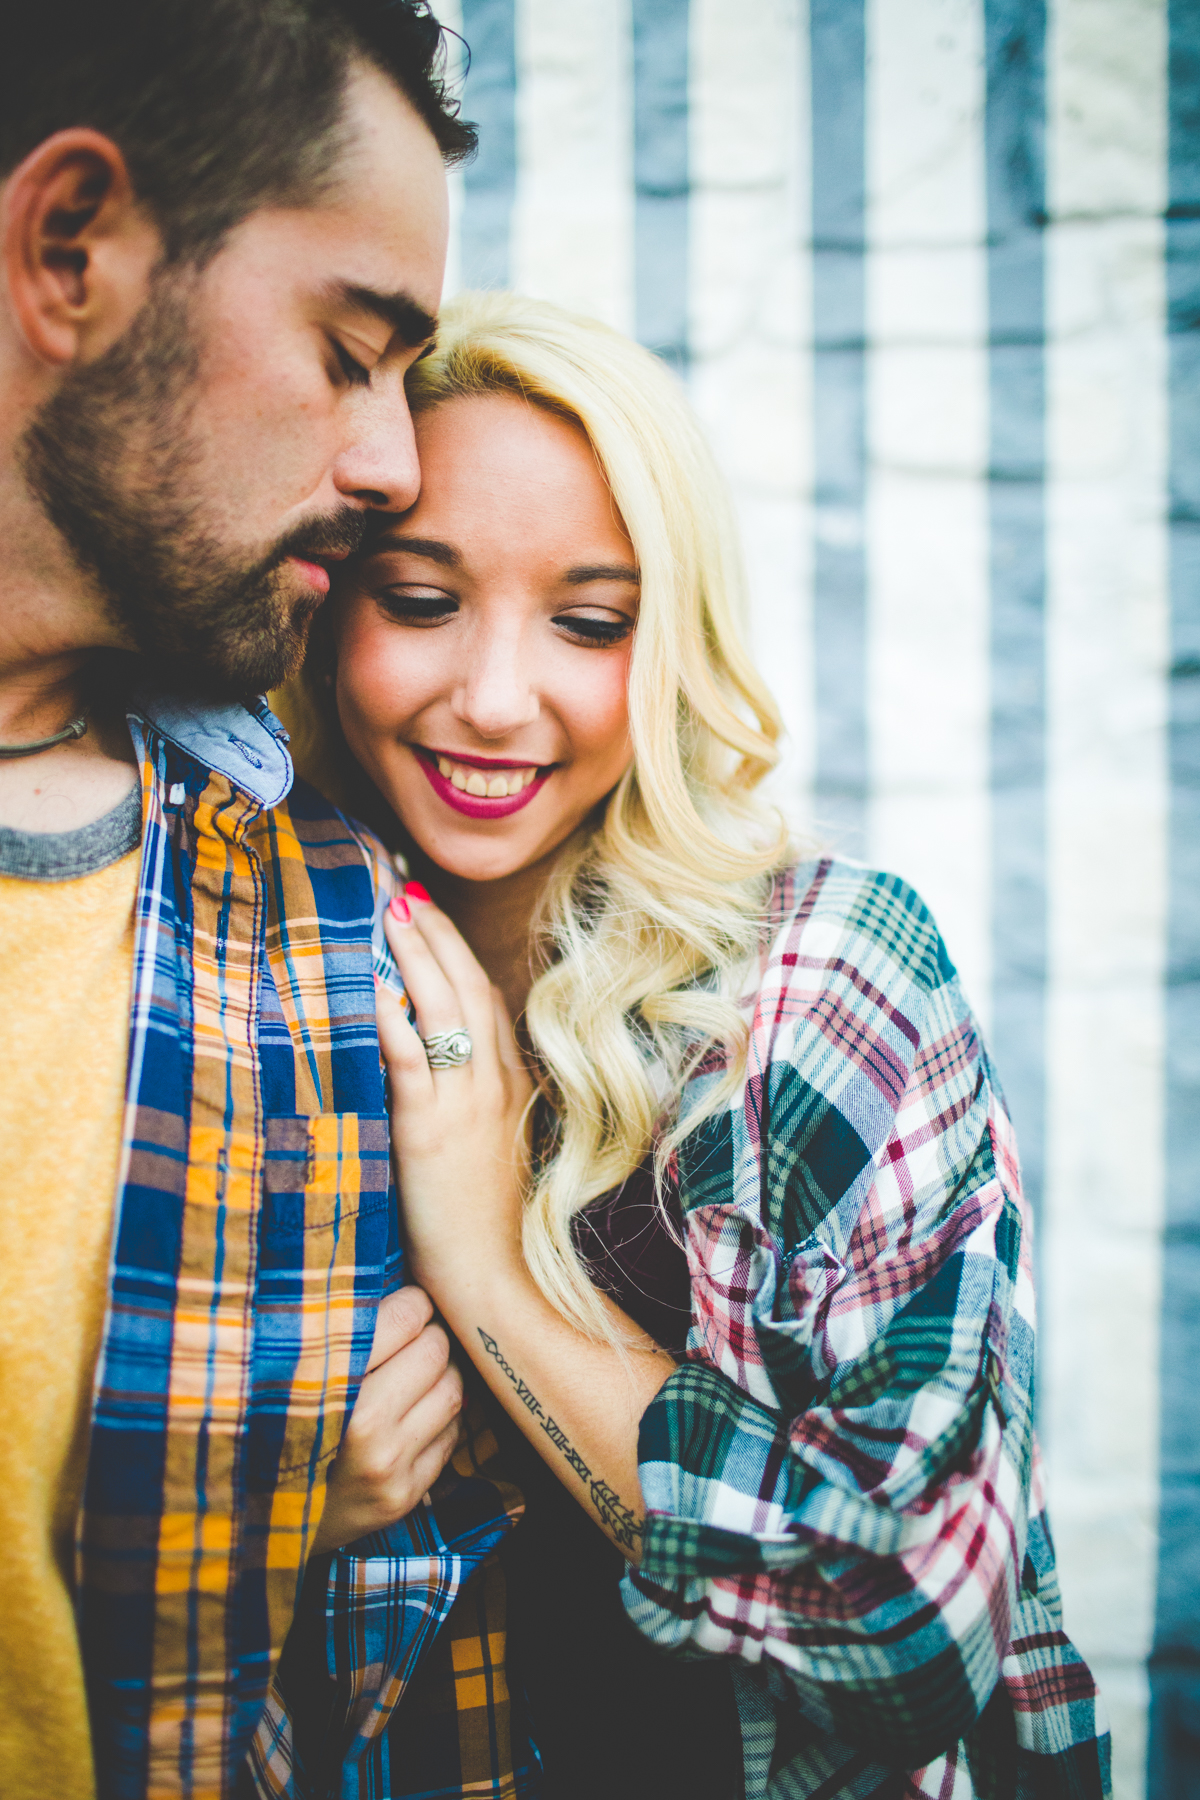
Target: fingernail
398, 907
415, 891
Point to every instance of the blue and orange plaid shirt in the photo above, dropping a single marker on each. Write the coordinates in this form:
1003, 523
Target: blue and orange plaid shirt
256, 1231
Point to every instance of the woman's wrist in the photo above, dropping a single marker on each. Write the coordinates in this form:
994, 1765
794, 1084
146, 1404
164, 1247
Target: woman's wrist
465, 1273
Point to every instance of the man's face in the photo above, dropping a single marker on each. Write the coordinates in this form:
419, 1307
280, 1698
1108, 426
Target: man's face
253, 417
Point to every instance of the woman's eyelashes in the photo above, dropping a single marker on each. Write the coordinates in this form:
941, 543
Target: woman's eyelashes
416, 607
596, 632
425, 607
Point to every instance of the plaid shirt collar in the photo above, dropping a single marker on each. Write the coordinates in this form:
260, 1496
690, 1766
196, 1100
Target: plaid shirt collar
246, 745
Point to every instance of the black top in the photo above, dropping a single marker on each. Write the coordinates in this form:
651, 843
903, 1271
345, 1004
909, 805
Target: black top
632, 1255
613, 1717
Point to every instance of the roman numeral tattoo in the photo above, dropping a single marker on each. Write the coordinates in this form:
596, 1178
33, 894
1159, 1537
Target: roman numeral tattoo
622, 1524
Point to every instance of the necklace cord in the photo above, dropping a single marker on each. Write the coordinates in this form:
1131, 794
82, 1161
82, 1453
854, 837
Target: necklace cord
75, 729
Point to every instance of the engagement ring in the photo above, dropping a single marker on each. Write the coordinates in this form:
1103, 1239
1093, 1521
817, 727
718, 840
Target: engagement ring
448, 1049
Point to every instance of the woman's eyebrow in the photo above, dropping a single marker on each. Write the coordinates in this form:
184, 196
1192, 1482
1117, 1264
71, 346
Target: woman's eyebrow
433, 548
601, 572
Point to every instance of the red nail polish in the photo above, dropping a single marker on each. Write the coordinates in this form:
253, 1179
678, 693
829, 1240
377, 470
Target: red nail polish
398, 907
414, 891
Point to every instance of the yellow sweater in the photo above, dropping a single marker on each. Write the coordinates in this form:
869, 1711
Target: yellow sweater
66, 958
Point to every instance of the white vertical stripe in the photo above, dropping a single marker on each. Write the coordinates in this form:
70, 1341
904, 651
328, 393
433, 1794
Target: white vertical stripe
449, 14
927, 385
573, 219
750, 327
1107, 647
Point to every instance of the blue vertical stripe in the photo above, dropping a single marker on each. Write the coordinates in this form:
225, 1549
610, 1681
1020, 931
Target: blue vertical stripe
1174, 1754
1016, 210
660, 176
490, 182
838, 70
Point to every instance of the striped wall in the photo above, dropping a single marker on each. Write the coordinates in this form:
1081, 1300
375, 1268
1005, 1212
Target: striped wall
1175, 1680
931, 270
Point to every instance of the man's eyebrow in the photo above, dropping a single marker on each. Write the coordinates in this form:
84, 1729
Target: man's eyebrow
432, 548
602, 572
399, 311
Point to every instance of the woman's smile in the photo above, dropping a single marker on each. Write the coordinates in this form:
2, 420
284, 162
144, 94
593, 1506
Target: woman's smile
481, 788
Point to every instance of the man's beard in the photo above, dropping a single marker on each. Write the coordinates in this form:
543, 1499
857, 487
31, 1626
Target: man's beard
113, 460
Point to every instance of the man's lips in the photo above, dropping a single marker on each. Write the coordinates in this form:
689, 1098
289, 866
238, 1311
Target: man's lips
314, 568
313, 572
452, 777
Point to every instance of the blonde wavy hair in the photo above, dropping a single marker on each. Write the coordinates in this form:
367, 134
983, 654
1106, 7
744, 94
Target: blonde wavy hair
655, 908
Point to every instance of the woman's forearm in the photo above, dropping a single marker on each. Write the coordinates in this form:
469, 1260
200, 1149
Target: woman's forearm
578, 1402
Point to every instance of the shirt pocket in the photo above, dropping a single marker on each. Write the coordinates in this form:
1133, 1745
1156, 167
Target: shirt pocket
323, 1238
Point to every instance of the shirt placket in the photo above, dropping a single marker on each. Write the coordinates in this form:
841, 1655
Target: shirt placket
195, 1635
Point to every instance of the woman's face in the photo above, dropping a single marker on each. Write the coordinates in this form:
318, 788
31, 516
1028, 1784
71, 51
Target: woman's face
483, 646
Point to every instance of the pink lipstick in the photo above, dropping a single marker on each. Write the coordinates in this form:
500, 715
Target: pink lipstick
479, 806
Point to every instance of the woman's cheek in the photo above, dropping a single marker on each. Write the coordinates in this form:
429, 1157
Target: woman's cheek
596, 699
376, 671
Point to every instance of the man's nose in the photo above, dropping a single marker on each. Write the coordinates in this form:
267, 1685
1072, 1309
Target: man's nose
379, 467
495, 695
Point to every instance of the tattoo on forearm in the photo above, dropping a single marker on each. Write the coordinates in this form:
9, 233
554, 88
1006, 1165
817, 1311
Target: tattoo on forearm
624, 1525
618, 1519
525, 1393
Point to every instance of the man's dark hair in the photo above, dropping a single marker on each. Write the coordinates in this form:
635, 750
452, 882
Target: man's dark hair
218, 106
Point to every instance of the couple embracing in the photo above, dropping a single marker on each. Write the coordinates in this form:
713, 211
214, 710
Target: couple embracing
515, 1277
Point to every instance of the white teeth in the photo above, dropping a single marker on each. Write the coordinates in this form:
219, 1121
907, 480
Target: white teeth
474, 781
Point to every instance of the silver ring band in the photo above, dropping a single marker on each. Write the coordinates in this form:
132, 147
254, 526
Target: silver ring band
448, 1049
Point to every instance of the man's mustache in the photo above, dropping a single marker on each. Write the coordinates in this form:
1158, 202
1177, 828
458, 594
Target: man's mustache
339, 534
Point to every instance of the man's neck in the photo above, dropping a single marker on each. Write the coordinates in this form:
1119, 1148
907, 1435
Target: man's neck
74, 783
50, 624
39, 694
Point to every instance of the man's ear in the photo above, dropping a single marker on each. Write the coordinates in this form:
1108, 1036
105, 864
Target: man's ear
78, 248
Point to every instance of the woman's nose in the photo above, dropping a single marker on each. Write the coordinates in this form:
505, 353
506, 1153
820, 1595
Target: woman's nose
495, 695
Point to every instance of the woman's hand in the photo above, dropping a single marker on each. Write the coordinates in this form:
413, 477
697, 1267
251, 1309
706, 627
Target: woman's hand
404, 1426
459, 1135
